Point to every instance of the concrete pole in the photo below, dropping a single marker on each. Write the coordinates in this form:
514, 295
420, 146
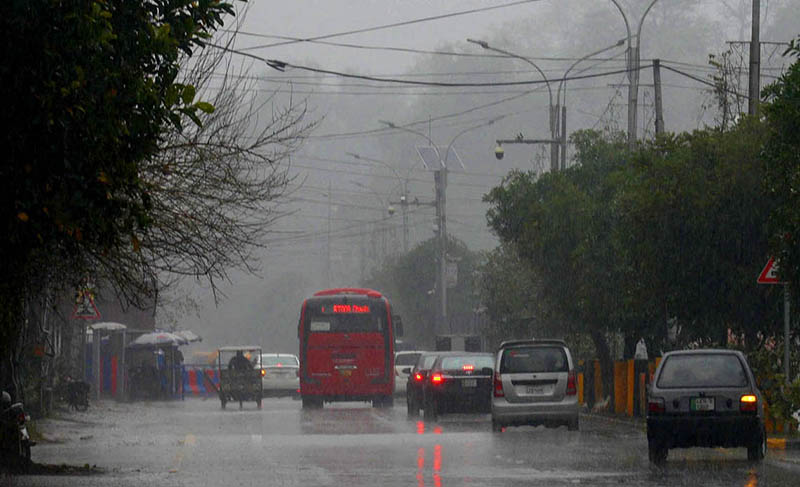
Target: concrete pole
755, 61
786, 331
657, 89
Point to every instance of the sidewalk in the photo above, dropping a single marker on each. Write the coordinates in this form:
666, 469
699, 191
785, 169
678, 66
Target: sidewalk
782, 448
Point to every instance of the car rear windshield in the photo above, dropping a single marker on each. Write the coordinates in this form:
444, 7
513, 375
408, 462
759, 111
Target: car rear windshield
702, 370
534, 359
283, 360
406, 359
426, 362
473, 362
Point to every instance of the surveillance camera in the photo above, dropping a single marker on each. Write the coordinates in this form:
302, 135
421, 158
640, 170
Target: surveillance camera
499, 152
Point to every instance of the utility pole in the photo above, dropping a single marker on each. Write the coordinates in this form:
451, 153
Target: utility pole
755, 61
440, 181
657, 90
328, 240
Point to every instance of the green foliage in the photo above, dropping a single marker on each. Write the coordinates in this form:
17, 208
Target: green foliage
90, 91
782, 154
783, 398
627, 241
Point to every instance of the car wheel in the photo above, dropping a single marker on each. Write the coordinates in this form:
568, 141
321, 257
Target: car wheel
430, 411
496, 427
574, 424
657, 451
758, 450
309, 403
411, 407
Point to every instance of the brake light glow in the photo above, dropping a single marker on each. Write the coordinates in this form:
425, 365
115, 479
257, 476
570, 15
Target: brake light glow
572, 388
468, 367
418, 376
279, 364
748, 403
263, 372
498, 386
656, 405
437, 378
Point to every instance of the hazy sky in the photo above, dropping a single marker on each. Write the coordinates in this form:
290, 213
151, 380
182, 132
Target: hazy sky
263, 309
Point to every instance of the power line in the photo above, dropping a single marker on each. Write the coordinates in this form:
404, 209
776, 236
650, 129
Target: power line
393, 25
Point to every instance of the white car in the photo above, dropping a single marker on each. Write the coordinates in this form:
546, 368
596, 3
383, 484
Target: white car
403, 360
280, 374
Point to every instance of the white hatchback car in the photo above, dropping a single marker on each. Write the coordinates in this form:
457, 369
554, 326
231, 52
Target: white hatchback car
280, 374
403, 360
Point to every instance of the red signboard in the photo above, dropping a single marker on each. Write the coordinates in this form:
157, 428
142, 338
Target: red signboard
770, 273
85, 308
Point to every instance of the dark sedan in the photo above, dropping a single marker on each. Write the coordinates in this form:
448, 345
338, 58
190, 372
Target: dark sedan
460, 382
415, 391
705, 398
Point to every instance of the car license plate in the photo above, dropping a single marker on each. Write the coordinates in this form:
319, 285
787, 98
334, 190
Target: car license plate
469, 383
702, 404
346, 372
538, 390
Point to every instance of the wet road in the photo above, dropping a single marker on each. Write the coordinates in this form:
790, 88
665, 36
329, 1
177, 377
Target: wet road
195, 443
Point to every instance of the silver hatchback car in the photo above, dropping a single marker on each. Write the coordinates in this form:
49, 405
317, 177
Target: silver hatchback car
705, 398
534, 384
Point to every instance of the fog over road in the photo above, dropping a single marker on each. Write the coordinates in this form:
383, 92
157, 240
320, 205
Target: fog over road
195, 443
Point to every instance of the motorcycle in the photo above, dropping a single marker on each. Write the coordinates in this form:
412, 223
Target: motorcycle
15, 442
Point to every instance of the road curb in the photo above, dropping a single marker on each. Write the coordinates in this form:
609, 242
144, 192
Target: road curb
783, 443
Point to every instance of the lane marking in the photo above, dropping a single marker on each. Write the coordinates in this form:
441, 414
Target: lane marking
189, 441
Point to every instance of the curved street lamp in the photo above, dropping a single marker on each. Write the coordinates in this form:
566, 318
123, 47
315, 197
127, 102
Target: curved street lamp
552, 116
563, 106
633, 69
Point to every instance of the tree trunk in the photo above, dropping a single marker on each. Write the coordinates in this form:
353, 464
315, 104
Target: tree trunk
606, 365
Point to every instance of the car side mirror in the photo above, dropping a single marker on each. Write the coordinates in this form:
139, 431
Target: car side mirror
406, 370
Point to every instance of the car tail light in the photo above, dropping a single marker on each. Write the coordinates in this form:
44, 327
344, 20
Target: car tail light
498, 386
572, 388
468, 367
748, 403
263, 372
417, 377
437, 378
656, 405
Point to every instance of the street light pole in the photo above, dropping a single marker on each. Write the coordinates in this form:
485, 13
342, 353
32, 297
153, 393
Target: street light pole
633, 70
403, 197
563, 83
440, 181
552, 109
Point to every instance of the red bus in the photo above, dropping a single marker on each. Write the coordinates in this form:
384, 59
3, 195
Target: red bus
347, 347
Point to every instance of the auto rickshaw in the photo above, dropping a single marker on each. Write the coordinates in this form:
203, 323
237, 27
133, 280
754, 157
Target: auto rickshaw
239, 375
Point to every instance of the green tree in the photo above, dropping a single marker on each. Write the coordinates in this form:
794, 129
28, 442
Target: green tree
782, 154
115, 167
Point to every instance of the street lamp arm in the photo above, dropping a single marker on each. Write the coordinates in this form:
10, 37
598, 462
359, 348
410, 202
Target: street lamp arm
469, 129
399, 127
486, 45
566, 73
377, 161
641, 22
